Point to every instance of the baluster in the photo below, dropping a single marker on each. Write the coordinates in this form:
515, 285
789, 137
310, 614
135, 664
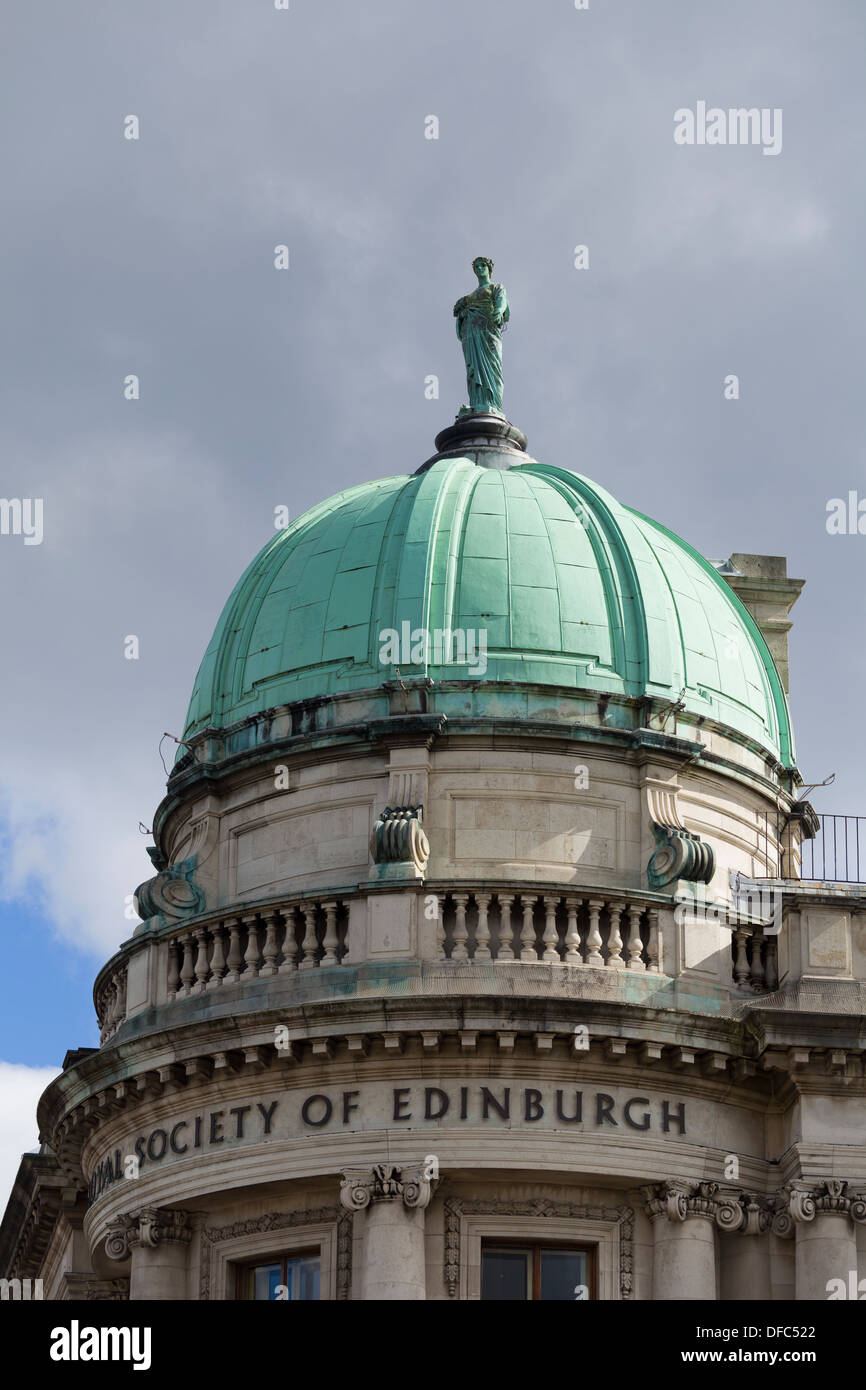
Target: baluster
111, 1011
217, 960
440, 926
635, 945
482, 930
234, 959
653, 950
173, 969
251, 955
187, 970
572, 935
289, 964
741, 962
118, 1009
527, 935
551, 935
330, 943
270, 950
202, 966
506, 930
593, 938
757, 971
461, 933
772, 963
614, 940
309, 943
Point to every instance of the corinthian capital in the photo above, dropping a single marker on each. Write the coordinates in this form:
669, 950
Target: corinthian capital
385, 1182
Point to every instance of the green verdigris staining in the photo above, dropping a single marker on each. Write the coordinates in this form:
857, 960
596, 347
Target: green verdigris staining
481, 316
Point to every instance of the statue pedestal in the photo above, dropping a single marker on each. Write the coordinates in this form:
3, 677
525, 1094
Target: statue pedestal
485, 438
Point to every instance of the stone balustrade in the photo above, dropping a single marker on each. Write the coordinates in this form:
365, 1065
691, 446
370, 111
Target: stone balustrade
253, 945
553, 928
754, 957
459, 925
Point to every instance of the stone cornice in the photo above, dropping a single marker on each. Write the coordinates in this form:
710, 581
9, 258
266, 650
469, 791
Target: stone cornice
310, 736
183, 1062
46, 1194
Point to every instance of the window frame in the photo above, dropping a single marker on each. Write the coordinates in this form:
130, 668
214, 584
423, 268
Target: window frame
259, 1247
587, 1248
603, 1232
245, 1268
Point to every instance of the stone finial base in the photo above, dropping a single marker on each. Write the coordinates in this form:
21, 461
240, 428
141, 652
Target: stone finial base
487, 439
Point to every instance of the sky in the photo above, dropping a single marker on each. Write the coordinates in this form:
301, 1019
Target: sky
260, 387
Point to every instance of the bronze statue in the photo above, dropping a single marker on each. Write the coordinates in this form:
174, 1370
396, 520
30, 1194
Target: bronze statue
481, 317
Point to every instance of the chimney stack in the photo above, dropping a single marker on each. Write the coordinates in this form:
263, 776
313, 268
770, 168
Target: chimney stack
762, 585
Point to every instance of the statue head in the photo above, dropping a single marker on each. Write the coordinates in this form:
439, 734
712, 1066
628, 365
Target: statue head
482, 261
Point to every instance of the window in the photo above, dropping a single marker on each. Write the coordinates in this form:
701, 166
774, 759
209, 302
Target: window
543, 1273
292, 1277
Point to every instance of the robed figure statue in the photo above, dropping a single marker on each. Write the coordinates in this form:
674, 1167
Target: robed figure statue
481, 316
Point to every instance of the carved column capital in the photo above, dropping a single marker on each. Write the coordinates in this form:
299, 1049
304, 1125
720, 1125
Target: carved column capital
148, 1227
731, 1208
117, 1238
730, 1212
803, 1201
800, 1202
739, 1211
385, 1182
668, 1200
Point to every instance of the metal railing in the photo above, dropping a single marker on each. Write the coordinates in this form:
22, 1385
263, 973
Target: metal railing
835, 854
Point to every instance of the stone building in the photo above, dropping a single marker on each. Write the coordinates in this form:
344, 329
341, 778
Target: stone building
479, 960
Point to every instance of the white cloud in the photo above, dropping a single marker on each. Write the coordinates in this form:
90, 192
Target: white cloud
20, 1089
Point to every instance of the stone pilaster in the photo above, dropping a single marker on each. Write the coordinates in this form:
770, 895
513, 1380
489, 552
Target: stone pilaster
394, 1200
157, 1239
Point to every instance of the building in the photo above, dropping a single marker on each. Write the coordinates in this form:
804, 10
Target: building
480, 959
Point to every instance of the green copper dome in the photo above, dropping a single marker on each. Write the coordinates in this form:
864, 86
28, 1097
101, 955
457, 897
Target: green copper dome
571, 589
